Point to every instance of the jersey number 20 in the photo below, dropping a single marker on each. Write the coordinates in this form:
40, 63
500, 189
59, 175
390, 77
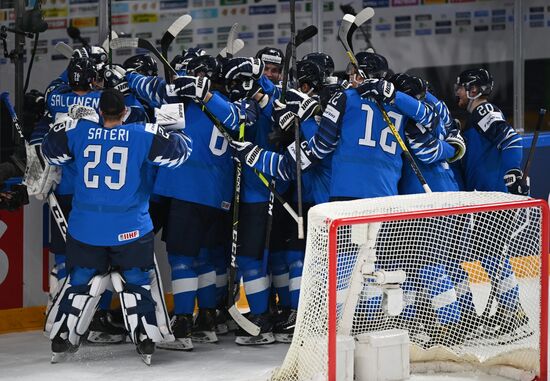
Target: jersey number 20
118, 165
384, 134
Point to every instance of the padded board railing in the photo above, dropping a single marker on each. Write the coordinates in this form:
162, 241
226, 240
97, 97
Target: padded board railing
476, 290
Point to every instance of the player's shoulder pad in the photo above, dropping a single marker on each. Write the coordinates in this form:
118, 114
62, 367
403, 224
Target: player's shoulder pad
335, 106
155, 129
485, 115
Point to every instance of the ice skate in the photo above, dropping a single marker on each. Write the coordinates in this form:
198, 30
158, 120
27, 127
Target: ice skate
104, 331
506, 327
284, 329
181, 326
204, 330
62, 347
146, 348
266, 331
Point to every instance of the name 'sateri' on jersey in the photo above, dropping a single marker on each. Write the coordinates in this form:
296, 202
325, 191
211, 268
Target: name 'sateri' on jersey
100, 133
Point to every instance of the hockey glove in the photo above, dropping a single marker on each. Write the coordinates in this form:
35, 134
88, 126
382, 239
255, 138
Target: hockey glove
243, 90
247, 152
81, 53
297, 105
515, 182
455, 139
115, 78
192, 87
378, 89
243, 68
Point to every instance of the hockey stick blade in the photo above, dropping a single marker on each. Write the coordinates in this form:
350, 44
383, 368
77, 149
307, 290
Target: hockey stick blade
243, 322
238, 44
364, 16
231, 37
174, 29
305, 34
64, 49
105, 44
124, 42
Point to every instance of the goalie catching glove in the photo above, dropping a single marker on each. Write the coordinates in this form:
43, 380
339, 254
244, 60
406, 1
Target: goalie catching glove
297, 105
192, 87
378, 89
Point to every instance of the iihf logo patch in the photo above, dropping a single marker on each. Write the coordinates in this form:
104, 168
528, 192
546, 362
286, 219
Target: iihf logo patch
128, 236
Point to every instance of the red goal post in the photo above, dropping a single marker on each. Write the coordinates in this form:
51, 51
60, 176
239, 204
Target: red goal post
491, 211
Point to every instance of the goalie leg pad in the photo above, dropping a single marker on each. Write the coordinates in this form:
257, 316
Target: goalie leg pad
138, 304
77, 303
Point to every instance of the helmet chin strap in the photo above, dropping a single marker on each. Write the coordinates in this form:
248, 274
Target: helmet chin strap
471, 100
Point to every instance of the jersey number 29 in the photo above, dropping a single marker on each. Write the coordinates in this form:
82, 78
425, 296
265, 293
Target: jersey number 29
368, 141
116, 158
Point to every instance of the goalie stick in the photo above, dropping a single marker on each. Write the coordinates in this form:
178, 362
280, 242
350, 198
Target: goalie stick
170, 35
345, 35
55, 208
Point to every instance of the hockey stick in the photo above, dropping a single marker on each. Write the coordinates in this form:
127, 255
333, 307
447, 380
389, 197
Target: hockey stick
296, 125
110, 27
527, 167
238, 44
55, 208
348, 9
64, 49
106, 44
345, 33
170, 35
120, 43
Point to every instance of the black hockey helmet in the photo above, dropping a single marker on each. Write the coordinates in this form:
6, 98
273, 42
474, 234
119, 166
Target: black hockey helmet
476, 77
272, 56
325, 62
144, 64
206, 64
82, 73
310, 72
414, 86
372, 64
180, 61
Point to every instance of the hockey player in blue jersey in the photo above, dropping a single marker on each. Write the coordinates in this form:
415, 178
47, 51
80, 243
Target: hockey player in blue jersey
436, 144
273, 63
197, 204
109, 226
492, 163
493, 159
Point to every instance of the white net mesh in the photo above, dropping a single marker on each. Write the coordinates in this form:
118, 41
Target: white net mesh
472, 292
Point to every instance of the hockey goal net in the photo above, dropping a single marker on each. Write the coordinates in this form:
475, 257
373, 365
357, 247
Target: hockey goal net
475, 294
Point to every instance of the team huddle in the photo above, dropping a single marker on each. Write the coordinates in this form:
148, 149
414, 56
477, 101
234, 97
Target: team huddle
203, 152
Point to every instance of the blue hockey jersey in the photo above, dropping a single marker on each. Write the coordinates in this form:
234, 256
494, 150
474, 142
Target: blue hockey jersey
493, 148
113, 175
